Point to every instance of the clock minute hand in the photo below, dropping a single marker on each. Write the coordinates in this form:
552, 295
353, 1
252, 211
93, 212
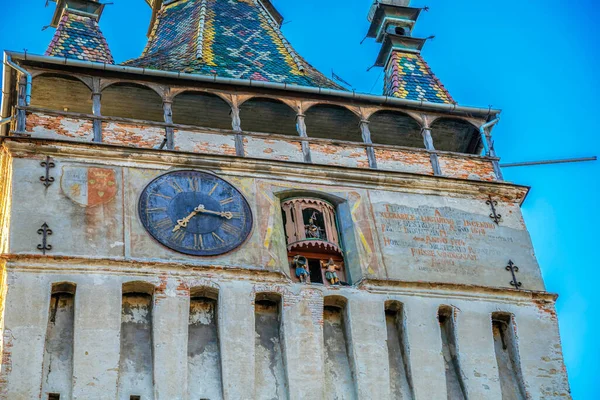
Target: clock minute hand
224, 214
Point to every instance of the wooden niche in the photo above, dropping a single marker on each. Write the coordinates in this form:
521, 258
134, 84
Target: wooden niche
313, 242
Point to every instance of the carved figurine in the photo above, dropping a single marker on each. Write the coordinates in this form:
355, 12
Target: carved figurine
330, 271
301, 265
312, 230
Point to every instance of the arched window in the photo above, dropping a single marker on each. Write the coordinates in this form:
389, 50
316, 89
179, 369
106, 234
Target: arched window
268, 116
455, 135
127, 100
395, 128
201, 109
61, 93
333, 122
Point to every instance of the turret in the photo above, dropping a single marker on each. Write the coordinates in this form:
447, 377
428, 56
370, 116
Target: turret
407, 75
78, 35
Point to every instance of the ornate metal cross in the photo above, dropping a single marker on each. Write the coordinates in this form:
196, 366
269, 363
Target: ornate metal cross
45, 231
47, 180
494, 215
513, 270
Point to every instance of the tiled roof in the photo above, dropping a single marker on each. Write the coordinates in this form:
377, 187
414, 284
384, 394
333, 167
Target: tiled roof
409, 77
227, 38
79, 37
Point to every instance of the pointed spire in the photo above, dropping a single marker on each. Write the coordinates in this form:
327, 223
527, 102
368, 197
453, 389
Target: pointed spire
407, 75
227, 38
78, 35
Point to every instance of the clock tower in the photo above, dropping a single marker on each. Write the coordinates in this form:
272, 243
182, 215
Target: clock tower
217, 219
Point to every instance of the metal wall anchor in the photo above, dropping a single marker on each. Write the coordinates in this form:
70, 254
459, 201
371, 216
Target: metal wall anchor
513, 269
494, 215
47, 180
45, 231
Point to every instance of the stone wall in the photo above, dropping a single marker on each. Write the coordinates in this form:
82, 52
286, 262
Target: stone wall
389, 233
419, 242
305, 336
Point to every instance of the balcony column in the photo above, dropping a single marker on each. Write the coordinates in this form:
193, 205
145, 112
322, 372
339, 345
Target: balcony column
491, 152
366, 136
301, 128
428, 140
96, 109
168, 114
236, 124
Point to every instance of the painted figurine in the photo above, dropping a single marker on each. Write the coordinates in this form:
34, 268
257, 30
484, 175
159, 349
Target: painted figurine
312, 230
301, 265
330, 271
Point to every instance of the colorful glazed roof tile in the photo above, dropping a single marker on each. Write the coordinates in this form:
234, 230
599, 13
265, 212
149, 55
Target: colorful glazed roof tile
226, 38
409, 77
79, 37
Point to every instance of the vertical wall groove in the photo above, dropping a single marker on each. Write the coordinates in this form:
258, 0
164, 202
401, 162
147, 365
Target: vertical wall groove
455, 385
204, 355
270, 377
339, 379
136, 358
400, 377
57, 377
507, 357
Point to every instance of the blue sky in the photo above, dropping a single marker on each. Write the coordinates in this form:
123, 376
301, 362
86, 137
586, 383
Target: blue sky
538, 61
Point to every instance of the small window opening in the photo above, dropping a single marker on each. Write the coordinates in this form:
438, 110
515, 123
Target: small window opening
53, 396
315, 271
400, 31
135, 397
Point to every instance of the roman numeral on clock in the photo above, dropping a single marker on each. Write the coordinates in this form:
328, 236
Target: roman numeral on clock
178, 237
198, 241
231, 229
226, 201
217, 237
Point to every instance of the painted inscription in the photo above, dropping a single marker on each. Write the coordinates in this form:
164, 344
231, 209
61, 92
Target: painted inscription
445, 234
444, 240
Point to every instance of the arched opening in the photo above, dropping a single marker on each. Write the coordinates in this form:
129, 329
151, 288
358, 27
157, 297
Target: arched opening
204, 355
268, 355
455, 384
201, 109
128, 100
61, 93
136, 368
339, 379
333, 122
58, 349
401, 386
456, 135
395, 128
269, 116
506, 348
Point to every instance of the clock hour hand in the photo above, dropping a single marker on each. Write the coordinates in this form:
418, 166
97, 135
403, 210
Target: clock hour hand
183, 223
224, 214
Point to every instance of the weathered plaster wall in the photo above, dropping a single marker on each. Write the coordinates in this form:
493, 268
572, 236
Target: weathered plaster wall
95, 369
100, 245
63, 128
388, 233
467, 168
215, 141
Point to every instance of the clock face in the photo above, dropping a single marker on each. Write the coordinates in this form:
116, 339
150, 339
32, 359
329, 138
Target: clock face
195, 213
